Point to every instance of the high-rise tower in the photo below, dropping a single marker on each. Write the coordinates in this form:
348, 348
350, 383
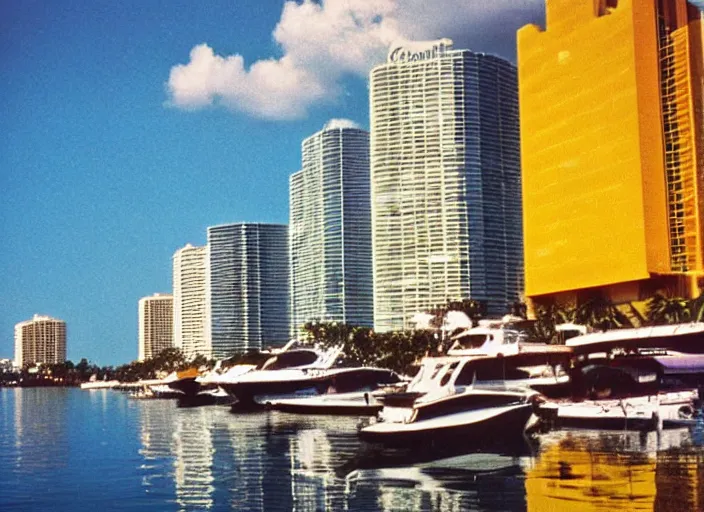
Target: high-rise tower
330, 229
612, 127
247, 287
40, 340
156, 325
189, 269
445, 174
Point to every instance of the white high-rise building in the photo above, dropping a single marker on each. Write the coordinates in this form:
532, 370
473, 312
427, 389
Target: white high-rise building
190, 320
330, 229
156, 324
40, 340
247, 287
446, 185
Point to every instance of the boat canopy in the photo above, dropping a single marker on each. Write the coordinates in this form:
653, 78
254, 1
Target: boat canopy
291, 359
681, 363
637, 335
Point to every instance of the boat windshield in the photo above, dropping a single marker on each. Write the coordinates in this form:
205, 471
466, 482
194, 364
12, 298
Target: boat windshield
490, 369
472, 341
290, 359
608, 382
448, 373
515, 336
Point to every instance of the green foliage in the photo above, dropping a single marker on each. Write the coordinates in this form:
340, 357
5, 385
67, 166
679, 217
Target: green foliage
662, 310
601, 314
696, 309
397, 351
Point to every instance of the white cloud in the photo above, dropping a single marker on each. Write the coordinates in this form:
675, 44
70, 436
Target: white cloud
340, 123
323, 42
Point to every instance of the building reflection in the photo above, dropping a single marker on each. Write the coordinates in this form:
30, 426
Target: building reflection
156, 421
287, 462
617, 471
248, 462
192, 449
314, 486
41, 438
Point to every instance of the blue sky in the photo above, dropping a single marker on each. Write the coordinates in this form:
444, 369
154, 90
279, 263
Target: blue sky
129, 127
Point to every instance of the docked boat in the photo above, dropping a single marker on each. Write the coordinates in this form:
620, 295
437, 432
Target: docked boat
687, 338
501, 353
356, 403
446, 405
184, 381
202, 388
635, 392
491, 337
216, 396
298, 372
470, 415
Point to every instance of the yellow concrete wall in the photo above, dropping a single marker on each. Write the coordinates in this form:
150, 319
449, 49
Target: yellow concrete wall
593, 182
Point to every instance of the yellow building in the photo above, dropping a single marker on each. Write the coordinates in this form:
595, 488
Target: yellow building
612, 140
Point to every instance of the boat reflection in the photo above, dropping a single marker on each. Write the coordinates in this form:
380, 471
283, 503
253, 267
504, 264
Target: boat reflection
617, 471
210, 459
471, 481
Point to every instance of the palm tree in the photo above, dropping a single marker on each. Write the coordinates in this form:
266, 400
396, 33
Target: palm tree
547, 317
601, 314
661, 310
696, 309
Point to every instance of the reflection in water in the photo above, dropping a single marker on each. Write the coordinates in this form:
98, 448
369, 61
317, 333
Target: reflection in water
473, 481
246, 482
40, 428
111, 452
316, 448
617, 471
156, 422
193, 451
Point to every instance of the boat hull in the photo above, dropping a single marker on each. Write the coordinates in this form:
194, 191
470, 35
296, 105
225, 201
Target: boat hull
253, 394
350, 404
636, 413
465, 428
202, 399
187, 386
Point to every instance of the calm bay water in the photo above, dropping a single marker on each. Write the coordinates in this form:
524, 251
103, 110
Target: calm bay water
67, 449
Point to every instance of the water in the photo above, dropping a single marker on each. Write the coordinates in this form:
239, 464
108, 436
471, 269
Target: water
67, 449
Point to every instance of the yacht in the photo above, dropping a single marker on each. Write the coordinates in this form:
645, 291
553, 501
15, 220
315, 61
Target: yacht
448, 406
202, 388
501, 352
491, 337
356, 403
686, 337
641, 389
297, 372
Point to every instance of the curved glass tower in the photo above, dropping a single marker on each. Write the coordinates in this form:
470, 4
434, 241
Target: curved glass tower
445, 178
330, 230
189, 265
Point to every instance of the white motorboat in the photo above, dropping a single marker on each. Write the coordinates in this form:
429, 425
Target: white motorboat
630, 393
358, 403
448, 405
491, 337
687, 338
305, 372
502, 353
471, 415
